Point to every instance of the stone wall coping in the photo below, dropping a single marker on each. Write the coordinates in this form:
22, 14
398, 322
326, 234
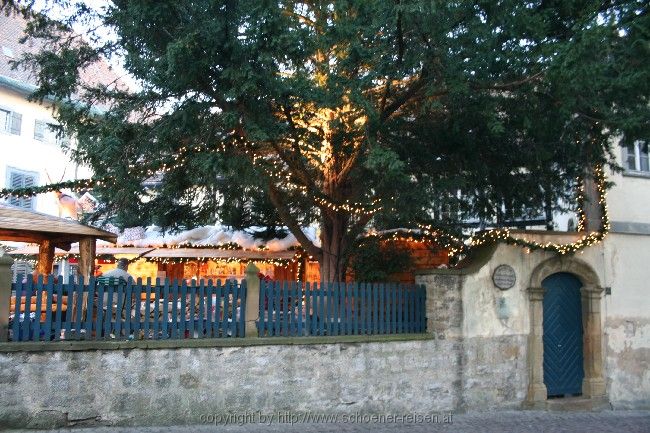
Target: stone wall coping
59, 346
546, 233
476, 259
444, 271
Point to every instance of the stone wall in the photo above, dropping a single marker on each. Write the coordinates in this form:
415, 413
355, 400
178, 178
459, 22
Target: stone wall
628, 362
491, 369
477, 356
494, 326
172, 386
444, 304
627, 323
178, 386
494, 372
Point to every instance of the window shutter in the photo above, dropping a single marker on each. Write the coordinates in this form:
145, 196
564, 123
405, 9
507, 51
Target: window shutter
21, 270
644, 160
15, 181
21, 180
39, 130
16, 123
629, 157
29, 181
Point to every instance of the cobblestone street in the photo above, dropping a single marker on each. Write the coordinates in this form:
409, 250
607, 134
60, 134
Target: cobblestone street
497, 422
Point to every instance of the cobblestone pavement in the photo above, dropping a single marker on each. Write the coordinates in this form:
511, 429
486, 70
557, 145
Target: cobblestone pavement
497, 422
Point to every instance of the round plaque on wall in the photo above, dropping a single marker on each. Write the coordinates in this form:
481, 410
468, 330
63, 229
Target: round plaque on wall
504, 277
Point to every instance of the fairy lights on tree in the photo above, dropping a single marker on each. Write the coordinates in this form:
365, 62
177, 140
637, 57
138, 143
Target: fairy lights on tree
346, 114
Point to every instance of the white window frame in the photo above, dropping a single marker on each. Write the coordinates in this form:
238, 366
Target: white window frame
7, 128
7, 124
637, 145
49, 134
9, 170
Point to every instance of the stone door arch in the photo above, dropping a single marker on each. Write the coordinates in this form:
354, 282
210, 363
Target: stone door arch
593, 384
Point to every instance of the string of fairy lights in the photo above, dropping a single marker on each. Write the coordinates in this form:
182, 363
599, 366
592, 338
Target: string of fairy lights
284, 263
30, 259
453, 244
179, 159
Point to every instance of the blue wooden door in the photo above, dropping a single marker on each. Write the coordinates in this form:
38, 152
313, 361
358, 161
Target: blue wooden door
563, 356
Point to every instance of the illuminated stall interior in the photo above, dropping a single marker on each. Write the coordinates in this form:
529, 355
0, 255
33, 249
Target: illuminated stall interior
223, 261
223, 264
188, 263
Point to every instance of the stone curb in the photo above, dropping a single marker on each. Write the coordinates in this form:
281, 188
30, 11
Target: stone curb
207, 342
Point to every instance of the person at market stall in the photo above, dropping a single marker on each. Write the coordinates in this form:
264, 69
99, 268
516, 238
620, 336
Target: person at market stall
117, 276
121, 271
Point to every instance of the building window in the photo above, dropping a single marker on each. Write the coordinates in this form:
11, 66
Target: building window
21, 179
635, 157
10, 121
20, 270
49, 133
448, 208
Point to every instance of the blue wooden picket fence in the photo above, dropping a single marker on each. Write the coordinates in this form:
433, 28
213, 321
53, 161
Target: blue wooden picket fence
299, 309
117, 310
101, 310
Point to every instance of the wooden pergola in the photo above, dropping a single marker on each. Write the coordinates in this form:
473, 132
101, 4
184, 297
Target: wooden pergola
50, 232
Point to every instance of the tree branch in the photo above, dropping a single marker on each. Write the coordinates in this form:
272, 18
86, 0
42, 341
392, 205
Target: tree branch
356, 228
292, 125
292, 223
402, 99
382, 104
505, 86
400, 38
298, 170
419, 84
300, 17
348, 166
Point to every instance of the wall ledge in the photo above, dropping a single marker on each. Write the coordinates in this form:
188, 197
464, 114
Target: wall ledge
443, 271
62, 346
476, 259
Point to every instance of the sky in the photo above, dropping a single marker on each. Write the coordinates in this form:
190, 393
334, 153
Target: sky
65, 8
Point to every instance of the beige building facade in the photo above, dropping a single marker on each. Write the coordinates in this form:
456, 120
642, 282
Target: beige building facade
32, 153
33, 150
614, 322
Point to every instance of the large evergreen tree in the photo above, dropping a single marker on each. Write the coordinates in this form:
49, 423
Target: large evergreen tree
348, 112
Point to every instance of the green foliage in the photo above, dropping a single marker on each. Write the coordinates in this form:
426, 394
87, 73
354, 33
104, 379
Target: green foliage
376, 261
279, 113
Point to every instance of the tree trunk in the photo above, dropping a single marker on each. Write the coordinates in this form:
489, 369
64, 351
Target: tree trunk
333, 245
591, 205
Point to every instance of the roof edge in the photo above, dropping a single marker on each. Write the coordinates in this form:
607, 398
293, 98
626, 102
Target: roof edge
27, 90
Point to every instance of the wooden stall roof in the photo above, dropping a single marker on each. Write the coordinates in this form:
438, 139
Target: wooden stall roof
214, 253
25, 225
30, 250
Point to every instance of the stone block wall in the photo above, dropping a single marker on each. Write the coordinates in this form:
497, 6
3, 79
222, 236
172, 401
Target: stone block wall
444, 304
178, 386
494, 372
474, 359
184, 385
628, 362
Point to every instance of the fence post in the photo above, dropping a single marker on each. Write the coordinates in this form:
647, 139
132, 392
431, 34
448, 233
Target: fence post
5, 295
252, 299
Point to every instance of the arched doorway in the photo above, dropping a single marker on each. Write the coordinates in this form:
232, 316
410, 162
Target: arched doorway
582, 278
563, 334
